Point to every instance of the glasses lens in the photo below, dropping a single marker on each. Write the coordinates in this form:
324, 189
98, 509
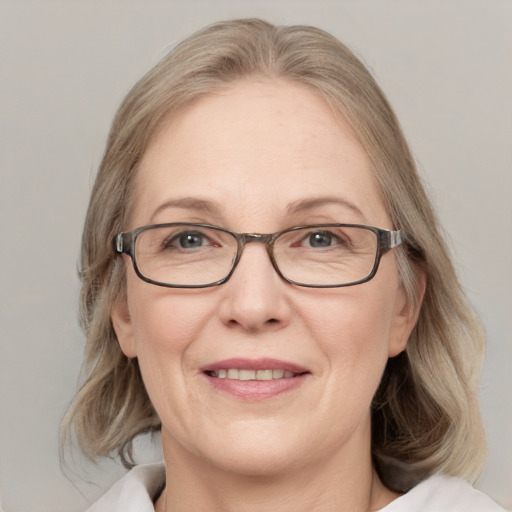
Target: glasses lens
326, 255
184, 255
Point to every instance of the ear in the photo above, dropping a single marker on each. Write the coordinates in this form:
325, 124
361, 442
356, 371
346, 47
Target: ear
122, 323
406, 316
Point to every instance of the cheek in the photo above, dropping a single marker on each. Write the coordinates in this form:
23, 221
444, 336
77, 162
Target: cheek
353, 329
166, 327
354, 320
165, 324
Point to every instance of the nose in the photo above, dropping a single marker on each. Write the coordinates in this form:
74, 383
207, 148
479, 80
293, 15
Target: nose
255, 297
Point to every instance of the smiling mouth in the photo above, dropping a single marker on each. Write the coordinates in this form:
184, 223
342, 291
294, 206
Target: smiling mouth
245, 375
254, 380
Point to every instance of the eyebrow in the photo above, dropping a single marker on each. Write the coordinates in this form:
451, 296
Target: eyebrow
311, 203
190, 203
214, 209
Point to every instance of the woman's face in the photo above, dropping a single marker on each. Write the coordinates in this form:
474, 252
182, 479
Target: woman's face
261, 156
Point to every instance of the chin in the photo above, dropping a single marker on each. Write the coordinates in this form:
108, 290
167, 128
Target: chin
259, 451
255, 463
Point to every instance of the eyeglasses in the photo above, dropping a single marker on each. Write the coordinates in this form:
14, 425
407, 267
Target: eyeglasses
190, 255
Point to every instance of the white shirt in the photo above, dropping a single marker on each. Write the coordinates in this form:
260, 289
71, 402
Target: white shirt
135, 492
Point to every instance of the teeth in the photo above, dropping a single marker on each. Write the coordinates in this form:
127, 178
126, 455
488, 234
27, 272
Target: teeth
236, 374
233, 374
246, 374
264, 375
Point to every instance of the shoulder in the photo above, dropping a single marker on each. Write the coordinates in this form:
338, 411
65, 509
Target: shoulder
134, 492
441, 493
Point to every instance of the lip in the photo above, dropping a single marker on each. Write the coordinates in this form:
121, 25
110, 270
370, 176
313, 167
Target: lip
255, 390
254, 364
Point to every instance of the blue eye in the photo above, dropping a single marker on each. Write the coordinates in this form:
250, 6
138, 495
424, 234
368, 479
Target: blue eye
320, 239
186, 240
190, 240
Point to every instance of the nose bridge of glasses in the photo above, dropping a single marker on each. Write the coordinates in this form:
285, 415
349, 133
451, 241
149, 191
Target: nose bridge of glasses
260, 238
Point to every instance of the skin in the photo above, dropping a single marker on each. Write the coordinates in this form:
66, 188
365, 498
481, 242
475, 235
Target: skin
252, 150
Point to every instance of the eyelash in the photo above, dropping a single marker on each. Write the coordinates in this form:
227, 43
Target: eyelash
169, 242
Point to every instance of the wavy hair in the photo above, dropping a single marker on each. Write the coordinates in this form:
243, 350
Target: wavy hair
425, 415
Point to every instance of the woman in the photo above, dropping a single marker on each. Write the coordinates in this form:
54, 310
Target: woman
264, 282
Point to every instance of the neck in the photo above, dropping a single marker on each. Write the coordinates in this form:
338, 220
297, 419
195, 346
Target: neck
339, 483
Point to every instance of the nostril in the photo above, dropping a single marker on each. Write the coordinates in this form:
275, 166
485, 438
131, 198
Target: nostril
271, 321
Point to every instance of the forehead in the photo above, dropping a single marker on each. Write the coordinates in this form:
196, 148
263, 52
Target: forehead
252, 149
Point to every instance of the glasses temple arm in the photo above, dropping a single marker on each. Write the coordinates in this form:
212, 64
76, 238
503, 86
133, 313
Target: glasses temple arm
395, 238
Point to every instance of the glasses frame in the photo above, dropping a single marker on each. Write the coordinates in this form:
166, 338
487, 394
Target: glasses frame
124, 243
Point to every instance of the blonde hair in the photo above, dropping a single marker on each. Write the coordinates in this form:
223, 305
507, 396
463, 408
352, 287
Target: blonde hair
425, 415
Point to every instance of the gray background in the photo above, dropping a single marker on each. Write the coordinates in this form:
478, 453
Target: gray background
446, 67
